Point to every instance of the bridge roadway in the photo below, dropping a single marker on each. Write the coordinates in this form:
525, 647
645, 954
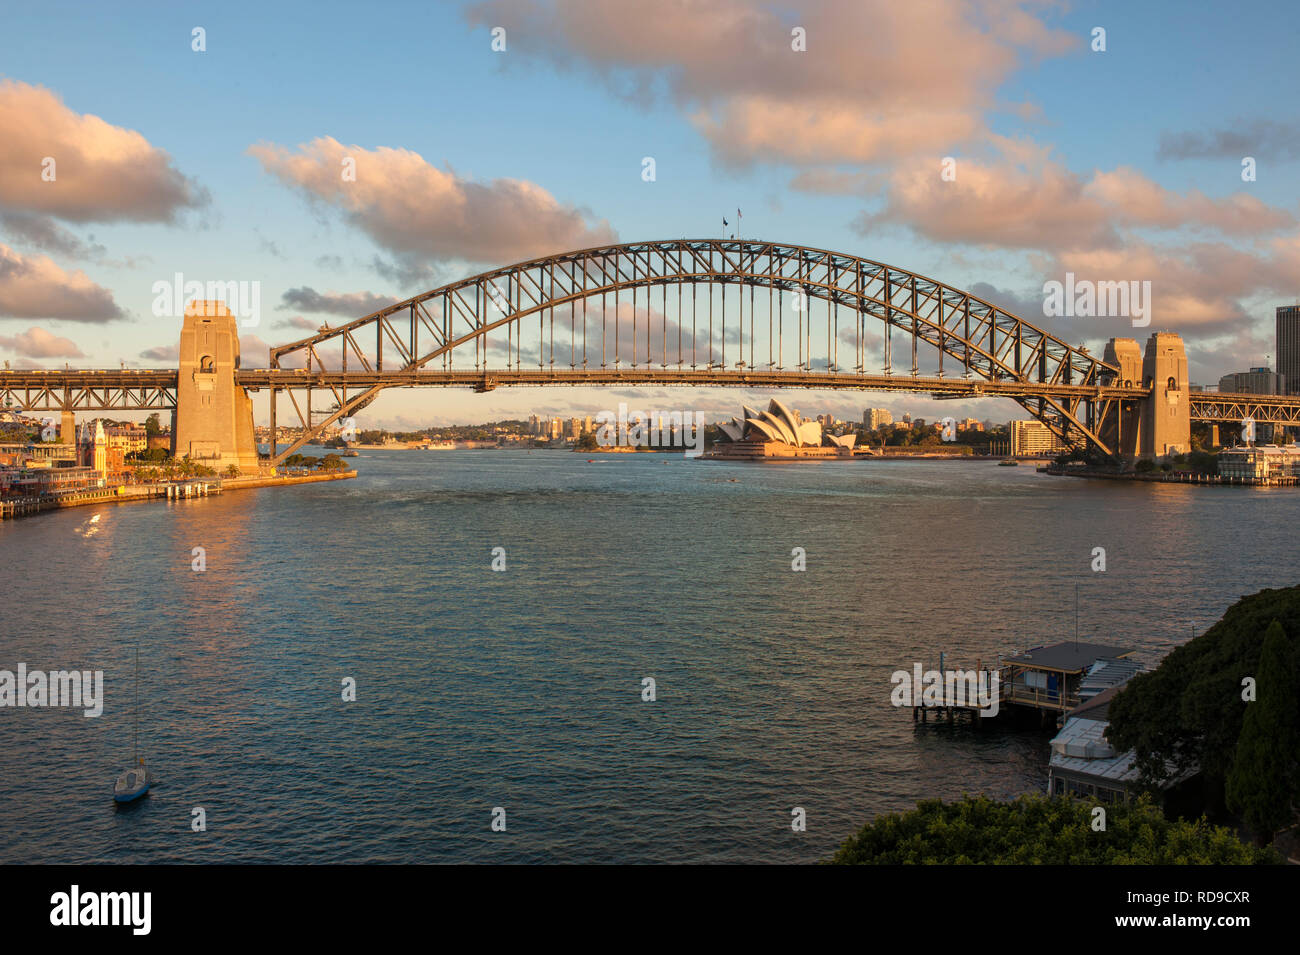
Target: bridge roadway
88, 390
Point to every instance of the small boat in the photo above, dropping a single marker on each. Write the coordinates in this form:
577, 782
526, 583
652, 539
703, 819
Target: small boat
134, 783
350, 454
591, 460
1008, 463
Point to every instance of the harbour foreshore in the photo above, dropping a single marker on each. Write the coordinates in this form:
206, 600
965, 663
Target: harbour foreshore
171, 490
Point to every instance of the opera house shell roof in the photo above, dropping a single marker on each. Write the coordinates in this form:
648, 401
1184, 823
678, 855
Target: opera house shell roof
777, 423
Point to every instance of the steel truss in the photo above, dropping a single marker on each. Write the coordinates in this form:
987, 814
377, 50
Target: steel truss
456, 324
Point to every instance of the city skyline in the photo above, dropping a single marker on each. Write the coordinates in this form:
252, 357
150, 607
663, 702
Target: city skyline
1035, 194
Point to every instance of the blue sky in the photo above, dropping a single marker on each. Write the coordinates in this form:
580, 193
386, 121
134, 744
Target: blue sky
553, 111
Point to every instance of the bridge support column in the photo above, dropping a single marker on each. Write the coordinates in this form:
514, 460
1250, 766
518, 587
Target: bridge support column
1167, 414
68, 428
214, 416
1122, 429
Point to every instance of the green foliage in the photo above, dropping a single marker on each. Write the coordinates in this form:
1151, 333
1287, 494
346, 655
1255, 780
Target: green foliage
1145, 466
1043, 830
587, 442
331, 462
152, 456
1265, 775
1189, 711
168, 469
152, 426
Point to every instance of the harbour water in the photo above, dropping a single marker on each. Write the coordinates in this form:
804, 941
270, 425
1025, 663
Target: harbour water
522, 689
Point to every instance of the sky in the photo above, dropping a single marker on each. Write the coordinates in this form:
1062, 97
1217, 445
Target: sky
221, 163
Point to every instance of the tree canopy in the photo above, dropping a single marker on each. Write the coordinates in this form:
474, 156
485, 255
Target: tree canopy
1043, 830
1265, 777
1189, 711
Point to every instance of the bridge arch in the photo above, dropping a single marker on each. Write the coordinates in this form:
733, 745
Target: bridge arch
463, 323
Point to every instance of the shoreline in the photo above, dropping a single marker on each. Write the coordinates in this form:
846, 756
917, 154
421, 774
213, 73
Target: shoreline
132, 493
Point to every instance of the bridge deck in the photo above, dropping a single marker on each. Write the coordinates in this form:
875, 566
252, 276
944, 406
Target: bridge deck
155, 389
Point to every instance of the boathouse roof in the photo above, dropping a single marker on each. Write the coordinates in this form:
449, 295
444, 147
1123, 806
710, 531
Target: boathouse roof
1068, 657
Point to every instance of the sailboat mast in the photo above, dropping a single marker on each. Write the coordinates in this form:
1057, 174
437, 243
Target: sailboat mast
135, 742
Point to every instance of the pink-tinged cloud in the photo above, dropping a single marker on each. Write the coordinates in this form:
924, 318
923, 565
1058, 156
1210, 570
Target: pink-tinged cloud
169, 353
1030, 201
101, 172
34, 286
253, 352
1137, 201
1202, 289
38, 343
1002, 205
879, 79
351, 304
422, 214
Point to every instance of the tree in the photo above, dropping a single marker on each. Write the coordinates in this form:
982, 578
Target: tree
1265, 775
1043, 830
152, 426
232, 470
1188, 713
587, 442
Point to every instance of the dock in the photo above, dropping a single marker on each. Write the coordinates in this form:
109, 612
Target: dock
1049, 680
84, 497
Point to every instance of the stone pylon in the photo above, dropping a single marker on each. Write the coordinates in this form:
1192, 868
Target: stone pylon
214, 416
1159, 426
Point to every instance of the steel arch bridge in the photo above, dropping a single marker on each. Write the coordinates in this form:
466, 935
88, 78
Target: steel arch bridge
621, 314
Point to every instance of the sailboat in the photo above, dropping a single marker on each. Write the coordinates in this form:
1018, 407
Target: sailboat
135, 782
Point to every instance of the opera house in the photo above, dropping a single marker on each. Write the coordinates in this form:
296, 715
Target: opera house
778, 432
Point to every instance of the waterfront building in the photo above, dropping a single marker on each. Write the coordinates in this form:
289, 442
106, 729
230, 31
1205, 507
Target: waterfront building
1053, 677
1256, 381
970, 424
39, 455
1264, 465
131, 438
1288, 347
32, 469
32, 481
1084, 763
1034, 437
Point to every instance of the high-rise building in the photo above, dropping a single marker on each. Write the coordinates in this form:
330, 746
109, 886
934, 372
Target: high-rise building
876, 418
1288, 346
1034, 437
1257, 381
